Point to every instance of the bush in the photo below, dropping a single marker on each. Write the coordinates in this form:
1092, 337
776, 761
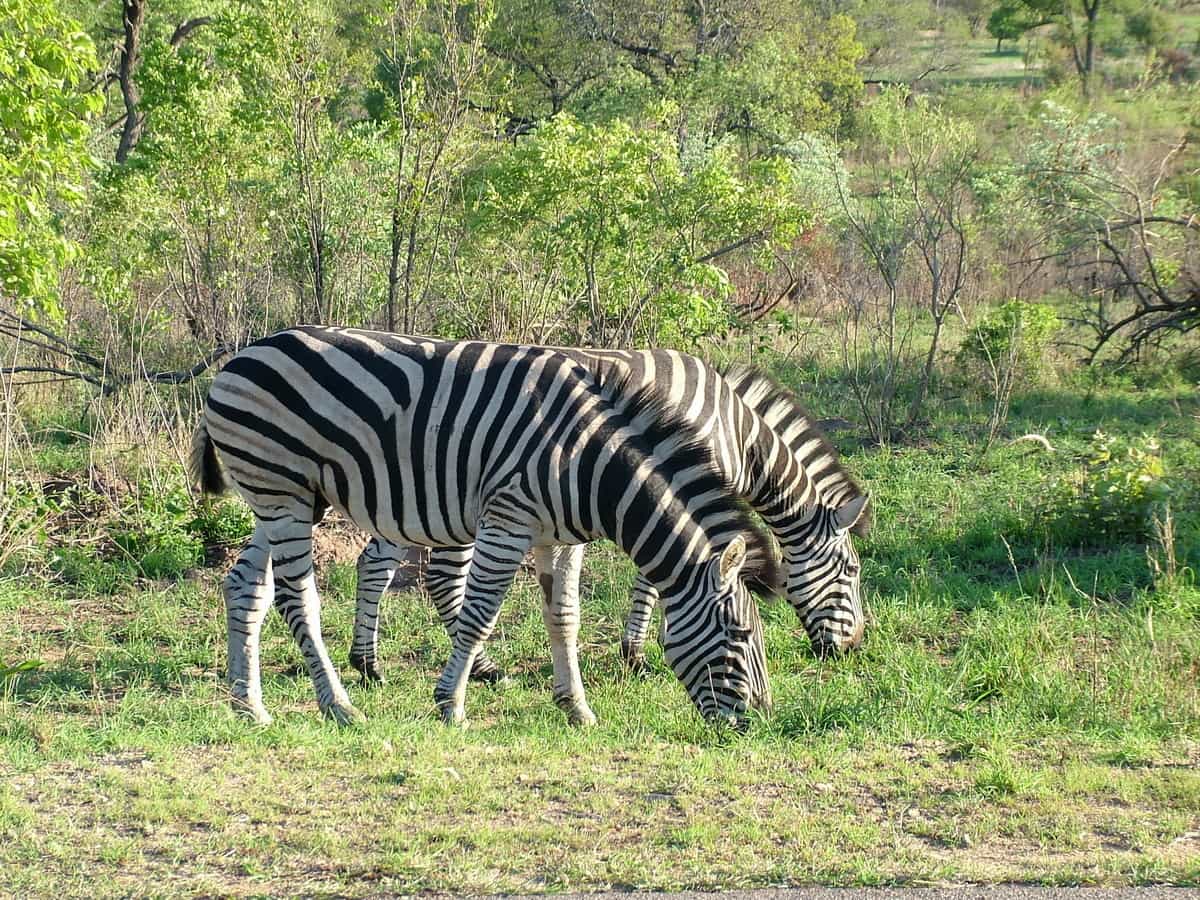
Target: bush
1015, 331
223, 522
1006, 349
1114, 494
159, 540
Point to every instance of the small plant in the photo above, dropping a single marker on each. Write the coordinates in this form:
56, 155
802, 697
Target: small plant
157, 539
223, 522
8, 672
1006, 349
1114, 496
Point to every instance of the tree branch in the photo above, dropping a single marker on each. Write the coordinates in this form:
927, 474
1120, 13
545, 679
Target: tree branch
184, 29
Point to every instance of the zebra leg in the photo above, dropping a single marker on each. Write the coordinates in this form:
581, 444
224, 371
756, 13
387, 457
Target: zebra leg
558, 571
247, 590
297, 601
637, 625
445, 580
378, 565
494, 563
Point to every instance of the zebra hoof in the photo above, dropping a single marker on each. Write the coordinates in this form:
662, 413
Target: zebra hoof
344, 714
634, 657
581, 717
368, 668
578, 712
485, 671
454, 716
252, 710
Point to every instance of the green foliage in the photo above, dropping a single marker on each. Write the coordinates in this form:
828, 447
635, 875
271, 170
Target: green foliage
44, 131
1016, 333
226, 521
159, 540
1150, 26
629, 233
1114, 494
10, 673
1009, 21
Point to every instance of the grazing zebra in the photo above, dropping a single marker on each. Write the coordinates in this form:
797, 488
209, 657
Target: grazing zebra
766, 445
437, 443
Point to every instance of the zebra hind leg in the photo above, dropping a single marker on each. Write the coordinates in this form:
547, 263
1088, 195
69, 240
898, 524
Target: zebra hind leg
558, 571
297, 601
247, 591
445, 580
377, 568
494, 562
637, 626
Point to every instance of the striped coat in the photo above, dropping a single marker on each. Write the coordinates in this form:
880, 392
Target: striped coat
441, 444
764, 443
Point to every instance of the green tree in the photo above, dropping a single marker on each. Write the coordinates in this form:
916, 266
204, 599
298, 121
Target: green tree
600, 235
731, 67
45, 114
1079, 22
911, 225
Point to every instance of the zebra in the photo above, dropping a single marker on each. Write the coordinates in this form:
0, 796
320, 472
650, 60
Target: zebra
443, 443
766, 444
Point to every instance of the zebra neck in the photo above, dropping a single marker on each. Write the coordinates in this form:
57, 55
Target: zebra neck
663, 530
775, 480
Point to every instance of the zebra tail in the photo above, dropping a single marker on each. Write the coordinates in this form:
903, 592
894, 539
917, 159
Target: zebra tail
206, 468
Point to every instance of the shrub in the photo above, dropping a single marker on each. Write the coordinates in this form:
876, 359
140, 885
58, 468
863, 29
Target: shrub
1015, 331
1113, 495
158, 539
1006, 349
223, 522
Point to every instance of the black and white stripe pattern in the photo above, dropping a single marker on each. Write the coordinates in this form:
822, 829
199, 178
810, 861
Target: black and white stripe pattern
445, 444
773, 453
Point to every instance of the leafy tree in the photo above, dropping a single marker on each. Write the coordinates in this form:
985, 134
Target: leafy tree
913, 228
426, 84
45, 112
549, 56
1079, 22
1008, 22
730, 67
1150, 27
602, 236
1127, 237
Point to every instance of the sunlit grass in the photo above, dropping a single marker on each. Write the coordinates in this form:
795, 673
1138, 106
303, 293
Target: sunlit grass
1020, 711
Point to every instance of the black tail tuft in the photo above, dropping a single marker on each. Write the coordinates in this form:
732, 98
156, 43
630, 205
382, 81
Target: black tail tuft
205, 465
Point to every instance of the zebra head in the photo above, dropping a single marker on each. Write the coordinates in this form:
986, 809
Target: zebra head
822, 572
716, 647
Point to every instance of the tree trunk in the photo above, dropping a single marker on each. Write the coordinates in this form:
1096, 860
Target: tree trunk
133, 14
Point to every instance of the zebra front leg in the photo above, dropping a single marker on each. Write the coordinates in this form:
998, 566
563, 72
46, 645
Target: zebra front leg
297, 601
446, 580
247, 591
558, 571
637, 625
378, 565
494, 562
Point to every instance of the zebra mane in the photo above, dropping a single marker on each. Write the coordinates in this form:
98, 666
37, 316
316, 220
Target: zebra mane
797, 428
671, 438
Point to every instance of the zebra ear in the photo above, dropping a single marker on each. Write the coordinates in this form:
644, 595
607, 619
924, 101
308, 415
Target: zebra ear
725, 568
852, 514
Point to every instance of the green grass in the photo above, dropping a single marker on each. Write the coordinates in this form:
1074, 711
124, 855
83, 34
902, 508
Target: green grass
1028, 713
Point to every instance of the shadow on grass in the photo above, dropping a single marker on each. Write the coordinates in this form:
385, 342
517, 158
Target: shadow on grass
101, 680
1105, 410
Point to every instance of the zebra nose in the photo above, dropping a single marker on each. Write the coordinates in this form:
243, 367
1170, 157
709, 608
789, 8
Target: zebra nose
826, 649
856, 638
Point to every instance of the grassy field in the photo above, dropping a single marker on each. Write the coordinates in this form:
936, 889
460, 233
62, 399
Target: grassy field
1026, 706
